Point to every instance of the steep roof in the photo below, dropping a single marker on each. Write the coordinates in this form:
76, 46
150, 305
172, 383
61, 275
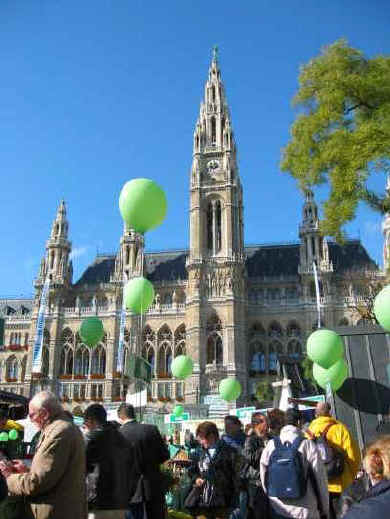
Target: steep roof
262, 261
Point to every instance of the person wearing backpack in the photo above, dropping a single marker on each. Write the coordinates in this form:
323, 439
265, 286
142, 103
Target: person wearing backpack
293, 474
334, 434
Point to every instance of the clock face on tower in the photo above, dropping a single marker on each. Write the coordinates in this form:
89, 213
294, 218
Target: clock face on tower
212, 166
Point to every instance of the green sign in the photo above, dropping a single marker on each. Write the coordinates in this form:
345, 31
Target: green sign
171, 418
1, 331
139, 368
243, 411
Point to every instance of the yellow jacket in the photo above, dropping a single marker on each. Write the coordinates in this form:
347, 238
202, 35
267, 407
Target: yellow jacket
11, 424
339, 435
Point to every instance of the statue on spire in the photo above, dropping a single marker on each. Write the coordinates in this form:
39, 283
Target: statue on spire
215, 53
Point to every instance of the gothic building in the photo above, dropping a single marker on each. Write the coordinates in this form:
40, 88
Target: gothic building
232, 308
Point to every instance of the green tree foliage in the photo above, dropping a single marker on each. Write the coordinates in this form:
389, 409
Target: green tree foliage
307, 366
342, 132
264, 391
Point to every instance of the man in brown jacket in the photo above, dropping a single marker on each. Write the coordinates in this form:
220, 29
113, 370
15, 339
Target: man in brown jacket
55, 484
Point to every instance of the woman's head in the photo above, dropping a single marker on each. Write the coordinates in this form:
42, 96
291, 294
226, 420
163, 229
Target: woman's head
276, 418
207, 434
376, 461
260, 423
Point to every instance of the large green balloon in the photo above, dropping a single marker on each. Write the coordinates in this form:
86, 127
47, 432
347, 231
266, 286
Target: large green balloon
13, 434
91, 331
229, 389
3, 437
178, 410
325, 347
382, 308
182, 366
138, 294
336, 375
143, 204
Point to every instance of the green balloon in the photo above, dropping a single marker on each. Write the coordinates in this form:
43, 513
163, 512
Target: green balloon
138, 295
325, 347
13, 434
178, 410
336, 375
229, 389
142, 204
182, 366
3, 437
382, 308
91, 331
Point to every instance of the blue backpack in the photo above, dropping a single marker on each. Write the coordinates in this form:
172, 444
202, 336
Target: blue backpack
286, 475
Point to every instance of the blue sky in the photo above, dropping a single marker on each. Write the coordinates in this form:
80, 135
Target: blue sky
95, 93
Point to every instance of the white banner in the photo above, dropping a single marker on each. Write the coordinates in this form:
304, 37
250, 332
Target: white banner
119, 360
38, 344
137, 399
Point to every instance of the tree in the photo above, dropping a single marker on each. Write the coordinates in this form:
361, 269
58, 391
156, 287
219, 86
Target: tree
361, 287
342, 132
264, 391
307, 366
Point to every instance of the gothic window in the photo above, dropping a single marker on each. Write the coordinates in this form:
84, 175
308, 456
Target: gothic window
148, 334
101, 301
26, 339
164, 360
210, 227
275, 330
51, 259
168, 361
127, 255
214, 323
12, 368
256, 330
218, 216
81, 361
294, 349
257, 357
45, 361
164, 333
214, 349
213, 94
98, 360
151, 358
275, 348
167, 299
213, 130
24, 365
293, 329
180, 340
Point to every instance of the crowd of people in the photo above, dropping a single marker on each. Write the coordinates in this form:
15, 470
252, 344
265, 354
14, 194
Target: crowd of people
278, 467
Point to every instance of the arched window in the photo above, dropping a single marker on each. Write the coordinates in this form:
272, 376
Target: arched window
151, 358
67, 345
218, 226
24, 365
213, 131
98, 361
210, 227
164, 333
214, 349
12, 368
45, 361
275, 330
164, 360
257, 358
294, 349
81, 361
293, 329
213, 94
180, 340
275, 348
168, 361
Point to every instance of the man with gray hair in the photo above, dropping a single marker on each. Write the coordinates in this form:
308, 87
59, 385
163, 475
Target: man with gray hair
55, 484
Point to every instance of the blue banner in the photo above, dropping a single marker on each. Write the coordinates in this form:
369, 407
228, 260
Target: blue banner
38, 344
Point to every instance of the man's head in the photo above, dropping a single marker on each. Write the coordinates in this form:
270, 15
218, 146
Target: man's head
3, 417
207, 434
233, 425
43, 408
95, 416
260, 424
293, 417
126, 412
323, 409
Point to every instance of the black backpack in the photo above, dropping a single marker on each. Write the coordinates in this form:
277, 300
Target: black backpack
332, 457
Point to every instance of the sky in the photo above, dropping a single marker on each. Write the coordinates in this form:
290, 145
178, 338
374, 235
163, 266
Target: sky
95, 93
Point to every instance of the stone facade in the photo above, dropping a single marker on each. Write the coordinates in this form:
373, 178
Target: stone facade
232, 308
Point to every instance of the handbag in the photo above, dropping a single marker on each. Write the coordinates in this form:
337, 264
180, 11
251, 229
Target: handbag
193, 498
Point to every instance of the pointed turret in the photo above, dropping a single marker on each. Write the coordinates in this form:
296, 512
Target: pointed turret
58, 247
129, 261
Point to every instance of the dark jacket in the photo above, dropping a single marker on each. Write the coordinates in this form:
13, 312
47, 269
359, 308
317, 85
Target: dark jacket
3, 487
151, 452
375, 506
250, 473
221, 474
237, 442
353, 494
109, 462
